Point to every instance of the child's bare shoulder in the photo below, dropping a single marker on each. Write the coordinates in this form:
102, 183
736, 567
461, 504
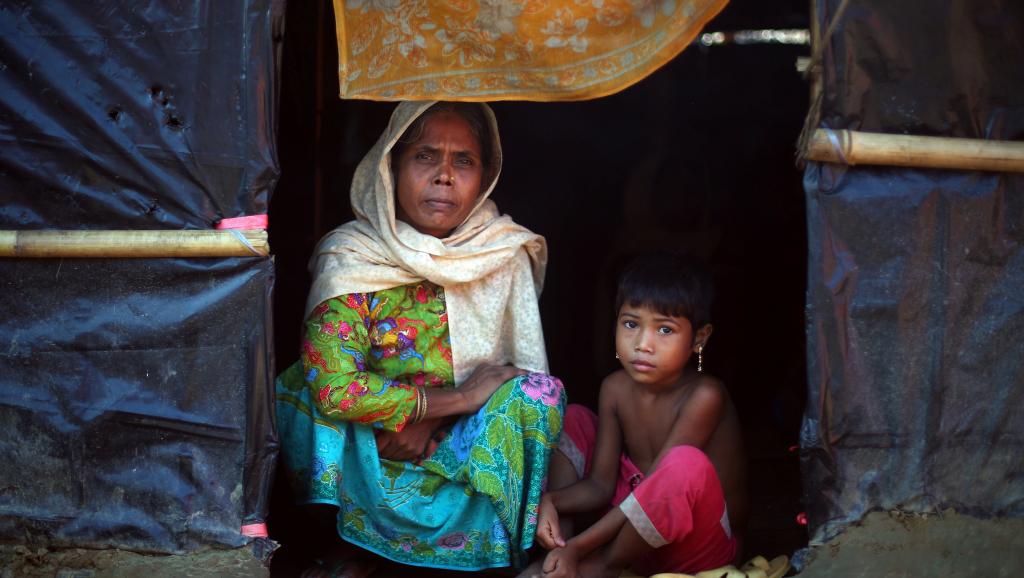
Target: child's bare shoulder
707, 393
615, 385
707, 382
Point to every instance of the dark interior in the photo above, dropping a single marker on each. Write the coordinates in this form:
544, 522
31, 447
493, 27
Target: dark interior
698, 157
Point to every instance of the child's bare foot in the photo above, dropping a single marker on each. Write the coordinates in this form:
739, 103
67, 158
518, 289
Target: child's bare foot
595, 567
590, 567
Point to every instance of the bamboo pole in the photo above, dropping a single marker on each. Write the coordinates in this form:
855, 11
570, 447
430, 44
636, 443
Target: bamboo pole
134, 244
862, 148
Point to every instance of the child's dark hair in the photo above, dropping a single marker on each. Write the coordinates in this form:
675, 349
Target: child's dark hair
670, 284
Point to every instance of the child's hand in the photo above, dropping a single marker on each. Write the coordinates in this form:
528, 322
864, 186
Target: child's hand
560, 563
549, 533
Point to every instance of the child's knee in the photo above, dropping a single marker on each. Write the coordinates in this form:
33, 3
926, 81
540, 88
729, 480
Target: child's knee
686, 459
579, 414
580, 424
684, 472
579, 435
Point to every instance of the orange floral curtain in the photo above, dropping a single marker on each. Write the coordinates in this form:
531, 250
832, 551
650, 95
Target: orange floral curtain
508, 49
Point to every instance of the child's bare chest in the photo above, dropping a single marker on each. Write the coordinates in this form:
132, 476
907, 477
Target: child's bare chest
645, 429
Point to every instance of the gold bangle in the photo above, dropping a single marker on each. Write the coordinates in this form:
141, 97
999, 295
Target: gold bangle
423, 413
416, 408
417, 414
419, 404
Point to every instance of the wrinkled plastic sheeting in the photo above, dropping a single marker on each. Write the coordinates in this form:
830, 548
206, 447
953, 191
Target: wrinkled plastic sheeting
915, 313
125, 407
953, 68
136, 115
135, 395
915, 305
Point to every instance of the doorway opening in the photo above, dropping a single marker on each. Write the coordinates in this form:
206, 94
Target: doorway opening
698, 158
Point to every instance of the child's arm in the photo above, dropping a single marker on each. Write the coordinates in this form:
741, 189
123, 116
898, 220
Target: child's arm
597, 488
563, 561
697, 420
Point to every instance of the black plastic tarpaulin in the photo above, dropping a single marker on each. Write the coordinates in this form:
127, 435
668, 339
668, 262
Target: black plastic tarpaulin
135, 115
126, 389
135, 394
915, 304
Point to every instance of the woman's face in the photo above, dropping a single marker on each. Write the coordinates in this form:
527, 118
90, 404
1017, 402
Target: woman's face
438, 176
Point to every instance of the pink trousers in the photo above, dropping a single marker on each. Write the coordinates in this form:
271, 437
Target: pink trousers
678, 509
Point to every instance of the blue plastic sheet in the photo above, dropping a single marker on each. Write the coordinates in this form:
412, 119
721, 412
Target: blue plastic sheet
914, 305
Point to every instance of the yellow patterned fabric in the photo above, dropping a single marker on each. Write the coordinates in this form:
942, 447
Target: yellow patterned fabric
476, 50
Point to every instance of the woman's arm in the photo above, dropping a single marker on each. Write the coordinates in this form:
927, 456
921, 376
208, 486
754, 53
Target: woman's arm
417, 441
334, 360
472, 394
335, 350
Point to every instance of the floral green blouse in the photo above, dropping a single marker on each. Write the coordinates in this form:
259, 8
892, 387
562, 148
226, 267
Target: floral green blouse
364, 353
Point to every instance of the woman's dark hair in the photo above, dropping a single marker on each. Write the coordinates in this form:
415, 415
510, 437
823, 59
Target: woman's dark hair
670, 284
472, 113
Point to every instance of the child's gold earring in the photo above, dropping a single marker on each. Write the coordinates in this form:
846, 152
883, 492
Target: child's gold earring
700, 358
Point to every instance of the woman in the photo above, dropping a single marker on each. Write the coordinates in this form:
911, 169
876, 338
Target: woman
427, 289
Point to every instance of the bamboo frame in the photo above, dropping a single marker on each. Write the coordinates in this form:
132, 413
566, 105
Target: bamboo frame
134, 244
853, 148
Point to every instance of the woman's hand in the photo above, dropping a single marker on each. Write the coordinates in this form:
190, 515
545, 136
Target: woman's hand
549, 533
414, 443
483, 382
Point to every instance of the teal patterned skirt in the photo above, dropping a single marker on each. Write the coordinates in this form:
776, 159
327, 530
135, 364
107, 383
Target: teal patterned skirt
472, 505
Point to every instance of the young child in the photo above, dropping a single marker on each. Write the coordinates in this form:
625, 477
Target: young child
665, 449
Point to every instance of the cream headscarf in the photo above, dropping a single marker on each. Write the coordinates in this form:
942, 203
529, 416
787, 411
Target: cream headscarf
492, 269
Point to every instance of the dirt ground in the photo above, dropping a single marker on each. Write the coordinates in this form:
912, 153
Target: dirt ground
896, 544
884, 544
21, 561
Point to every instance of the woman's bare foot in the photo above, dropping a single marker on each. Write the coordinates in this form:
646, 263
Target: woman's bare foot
534, 569
345, 562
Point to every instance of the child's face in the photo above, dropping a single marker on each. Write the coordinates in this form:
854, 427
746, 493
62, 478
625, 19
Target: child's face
654, 348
